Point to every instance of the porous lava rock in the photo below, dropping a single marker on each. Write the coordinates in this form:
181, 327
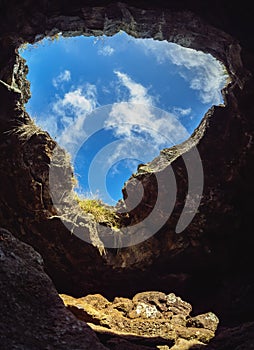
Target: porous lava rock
151, 319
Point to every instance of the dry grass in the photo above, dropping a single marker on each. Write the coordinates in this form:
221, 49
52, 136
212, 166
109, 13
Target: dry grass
25, 131
102, 213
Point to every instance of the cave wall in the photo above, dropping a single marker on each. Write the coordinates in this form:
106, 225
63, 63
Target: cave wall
210, 263
32, 314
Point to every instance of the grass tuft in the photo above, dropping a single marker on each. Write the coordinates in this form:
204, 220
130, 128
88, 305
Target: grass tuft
102, 214
25, 131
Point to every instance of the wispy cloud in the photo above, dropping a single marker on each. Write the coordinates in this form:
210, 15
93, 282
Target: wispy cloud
139, 115
141, 130
140, 124
138, 93
128, 163
178, 111
203, 72
62, 77
106, 50
70, 111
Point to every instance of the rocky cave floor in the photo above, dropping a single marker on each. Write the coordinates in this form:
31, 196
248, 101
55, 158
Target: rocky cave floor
36, 317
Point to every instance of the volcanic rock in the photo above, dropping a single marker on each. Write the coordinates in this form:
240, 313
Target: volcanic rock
148, 321
32, 314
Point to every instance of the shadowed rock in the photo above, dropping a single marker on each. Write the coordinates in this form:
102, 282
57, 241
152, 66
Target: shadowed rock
32, 314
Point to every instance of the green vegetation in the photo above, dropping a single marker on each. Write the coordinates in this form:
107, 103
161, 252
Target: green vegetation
102, 213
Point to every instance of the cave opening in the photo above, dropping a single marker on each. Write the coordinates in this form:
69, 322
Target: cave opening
215, 45
75, 279
114, 102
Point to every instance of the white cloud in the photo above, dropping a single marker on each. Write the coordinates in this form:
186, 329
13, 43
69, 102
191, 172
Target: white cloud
203, 72
141, 130
106, 51
48, 123
181, 111
62, 77
138, 115
144, 128
129, 164
71, 112
76, 101
138, 93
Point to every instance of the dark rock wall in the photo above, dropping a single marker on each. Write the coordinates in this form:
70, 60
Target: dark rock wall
210, 263
32, 314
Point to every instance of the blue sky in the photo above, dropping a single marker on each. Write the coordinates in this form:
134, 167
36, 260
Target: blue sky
115, 102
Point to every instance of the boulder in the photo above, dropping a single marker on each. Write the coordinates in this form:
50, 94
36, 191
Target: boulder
145, 320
